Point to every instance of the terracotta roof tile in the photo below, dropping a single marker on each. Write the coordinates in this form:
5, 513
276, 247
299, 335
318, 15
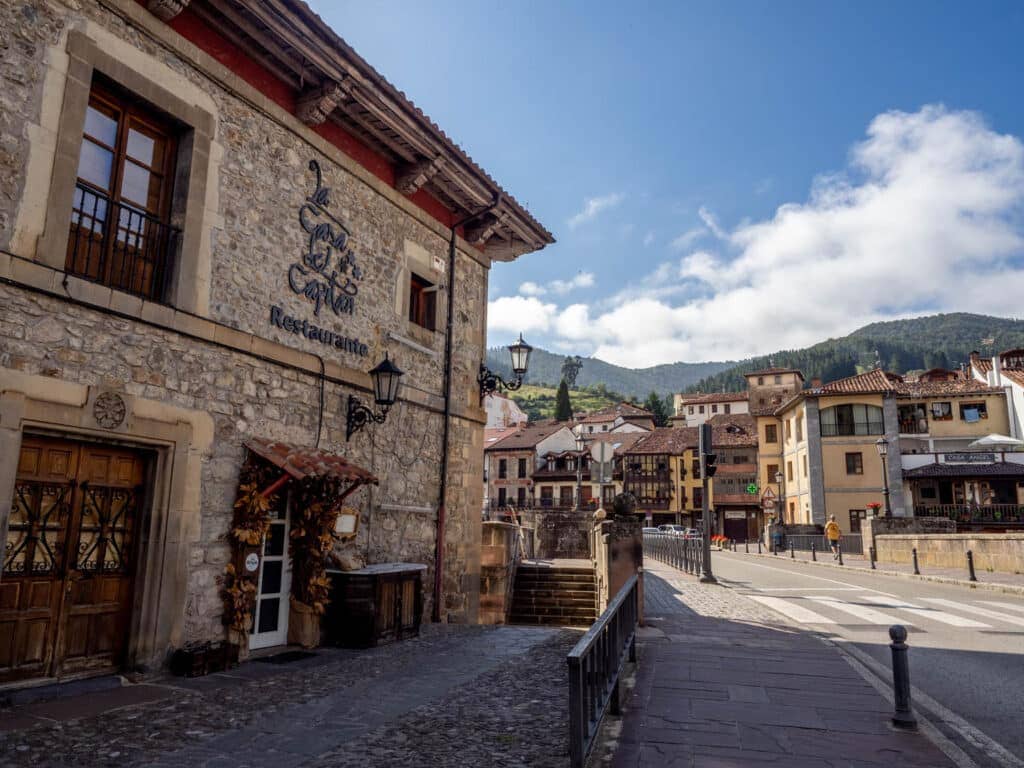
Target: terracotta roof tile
526, 437
873, 381
714, 397
671, 440
939, 388
306, 462
996, 469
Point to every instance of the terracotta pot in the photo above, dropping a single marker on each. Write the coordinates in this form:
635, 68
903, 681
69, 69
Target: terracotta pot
303, 625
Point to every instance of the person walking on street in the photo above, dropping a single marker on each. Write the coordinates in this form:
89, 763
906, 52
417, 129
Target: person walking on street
832, 533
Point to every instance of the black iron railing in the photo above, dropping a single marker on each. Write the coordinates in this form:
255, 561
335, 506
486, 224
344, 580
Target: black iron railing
595, 665
680, 552
116, 244
974, 513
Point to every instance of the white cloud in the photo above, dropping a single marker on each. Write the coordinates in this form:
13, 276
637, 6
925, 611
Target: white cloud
688, 238
515, 314
712, 223
927, 217
648, 239
592, 206
559, 287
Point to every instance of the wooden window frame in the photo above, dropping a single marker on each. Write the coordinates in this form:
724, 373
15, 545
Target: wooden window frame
422, 302
112, 261
187, 286
858, 463
771, 433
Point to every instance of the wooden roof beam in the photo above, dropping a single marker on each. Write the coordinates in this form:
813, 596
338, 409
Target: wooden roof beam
166, 9
412, 176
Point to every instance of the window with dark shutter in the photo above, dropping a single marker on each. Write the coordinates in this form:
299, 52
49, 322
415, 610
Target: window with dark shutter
422, 303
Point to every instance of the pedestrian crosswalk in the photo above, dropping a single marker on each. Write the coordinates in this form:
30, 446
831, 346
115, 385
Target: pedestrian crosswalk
884, 610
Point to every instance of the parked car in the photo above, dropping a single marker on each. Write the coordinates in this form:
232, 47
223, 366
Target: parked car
692, 533
651, 530
675, 530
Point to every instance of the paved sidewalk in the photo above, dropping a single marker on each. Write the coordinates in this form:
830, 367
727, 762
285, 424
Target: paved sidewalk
1003, 582
457, 696
724, 682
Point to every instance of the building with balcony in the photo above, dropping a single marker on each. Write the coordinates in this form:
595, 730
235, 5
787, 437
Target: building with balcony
735, 488
513, 461
215, 219
1004, 370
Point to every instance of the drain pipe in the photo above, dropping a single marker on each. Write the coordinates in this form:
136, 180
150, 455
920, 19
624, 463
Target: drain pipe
435, 615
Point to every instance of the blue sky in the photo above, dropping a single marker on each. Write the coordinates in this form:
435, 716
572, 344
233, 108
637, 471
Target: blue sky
728, 178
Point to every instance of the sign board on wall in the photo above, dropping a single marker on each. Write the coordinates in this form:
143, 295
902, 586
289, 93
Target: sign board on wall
735, 514
326, 274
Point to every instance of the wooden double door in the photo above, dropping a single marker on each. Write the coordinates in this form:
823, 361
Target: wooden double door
69, 559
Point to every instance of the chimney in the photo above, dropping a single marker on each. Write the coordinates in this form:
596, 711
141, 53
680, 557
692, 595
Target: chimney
815, 382
997, 372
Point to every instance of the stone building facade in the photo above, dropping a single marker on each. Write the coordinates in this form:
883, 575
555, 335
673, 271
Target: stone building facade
310, 220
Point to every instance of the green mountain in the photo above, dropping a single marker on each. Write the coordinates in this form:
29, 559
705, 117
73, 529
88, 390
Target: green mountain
921, 343
546, 369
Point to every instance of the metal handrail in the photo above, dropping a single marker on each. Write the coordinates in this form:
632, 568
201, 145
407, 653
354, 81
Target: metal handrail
675, 550
120, 245
595, 665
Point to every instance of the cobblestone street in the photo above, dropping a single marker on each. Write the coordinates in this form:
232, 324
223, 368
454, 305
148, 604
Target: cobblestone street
458, 695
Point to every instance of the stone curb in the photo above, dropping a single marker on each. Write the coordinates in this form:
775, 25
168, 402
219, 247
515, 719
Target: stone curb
992, 586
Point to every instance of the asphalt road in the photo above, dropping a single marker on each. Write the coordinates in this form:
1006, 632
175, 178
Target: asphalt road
966, 645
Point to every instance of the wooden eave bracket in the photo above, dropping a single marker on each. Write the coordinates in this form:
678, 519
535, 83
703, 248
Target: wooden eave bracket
314, 106
412, 177
166, 9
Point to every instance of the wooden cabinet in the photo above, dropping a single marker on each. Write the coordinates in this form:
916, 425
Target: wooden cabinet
375, 605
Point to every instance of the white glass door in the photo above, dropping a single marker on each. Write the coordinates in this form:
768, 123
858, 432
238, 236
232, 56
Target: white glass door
270, 620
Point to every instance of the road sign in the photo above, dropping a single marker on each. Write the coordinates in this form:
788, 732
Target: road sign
768, 504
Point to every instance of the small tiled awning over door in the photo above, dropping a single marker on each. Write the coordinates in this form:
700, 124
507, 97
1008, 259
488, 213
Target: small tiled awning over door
300, 463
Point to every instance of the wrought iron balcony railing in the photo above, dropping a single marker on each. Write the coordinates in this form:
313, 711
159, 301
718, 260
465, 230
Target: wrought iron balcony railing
118, 245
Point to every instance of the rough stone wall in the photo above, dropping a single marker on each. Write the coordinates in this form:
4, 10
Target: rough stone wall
264, 178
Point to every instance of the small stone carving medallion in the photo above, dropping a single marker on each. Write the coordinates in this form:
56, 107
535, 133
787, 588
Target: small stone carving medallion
109, 410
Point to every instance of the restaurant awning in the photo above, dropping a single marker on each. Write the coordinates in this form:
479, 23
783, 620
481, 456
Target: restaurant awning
300, 462
997, 441
995, 469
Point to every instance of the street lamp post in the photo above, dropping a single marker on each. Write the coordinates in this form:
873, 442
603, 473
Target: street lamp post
779, 480
883, 450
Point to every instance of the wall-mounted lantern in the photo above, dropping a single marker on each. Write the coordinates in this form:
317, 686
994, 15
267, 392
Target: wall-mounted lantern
387, 380
489, 381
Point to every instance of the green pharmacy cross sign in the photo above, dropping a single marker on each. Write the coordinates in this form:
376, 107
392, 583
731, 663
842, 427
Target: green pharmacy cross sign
752, 488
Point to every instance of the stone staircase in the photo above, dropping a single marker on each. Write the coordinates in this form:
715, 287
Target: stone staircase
561, 595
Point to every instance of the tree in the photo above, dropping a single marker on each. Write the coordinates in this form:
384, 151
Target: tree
563, 406
571, 369
656, 406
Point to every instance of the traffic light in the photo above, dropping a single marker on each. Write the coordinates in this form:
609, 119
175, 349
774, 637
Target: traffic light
709, 465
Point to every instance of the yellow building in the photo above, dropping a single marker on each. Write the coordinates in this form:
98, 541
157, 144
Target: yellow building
767, 390
829, 438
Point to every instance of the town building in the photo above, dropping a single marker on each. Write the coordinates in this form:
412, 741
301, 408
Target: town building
830, 442
503, 411
1005, 370
735, 489
216, 219
513, 461
622, 418
767, 390
694, 410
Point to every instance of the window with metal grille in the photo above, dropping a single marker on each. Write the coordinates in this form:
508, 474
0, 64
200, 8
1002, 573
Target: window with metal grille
422, 302
120, 220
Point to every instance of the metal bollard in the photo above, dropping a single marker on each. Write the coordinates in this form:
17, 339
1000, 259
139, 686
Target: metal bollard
903, 716
917, 571
871, 557
970, 566
746, 546
814, 554
839, 550
759, 546
792, 551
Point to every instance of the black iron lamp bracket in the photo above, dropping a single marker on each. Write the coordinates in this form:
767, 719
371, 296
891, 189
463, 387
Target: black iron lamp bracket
359, 416
490, 381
